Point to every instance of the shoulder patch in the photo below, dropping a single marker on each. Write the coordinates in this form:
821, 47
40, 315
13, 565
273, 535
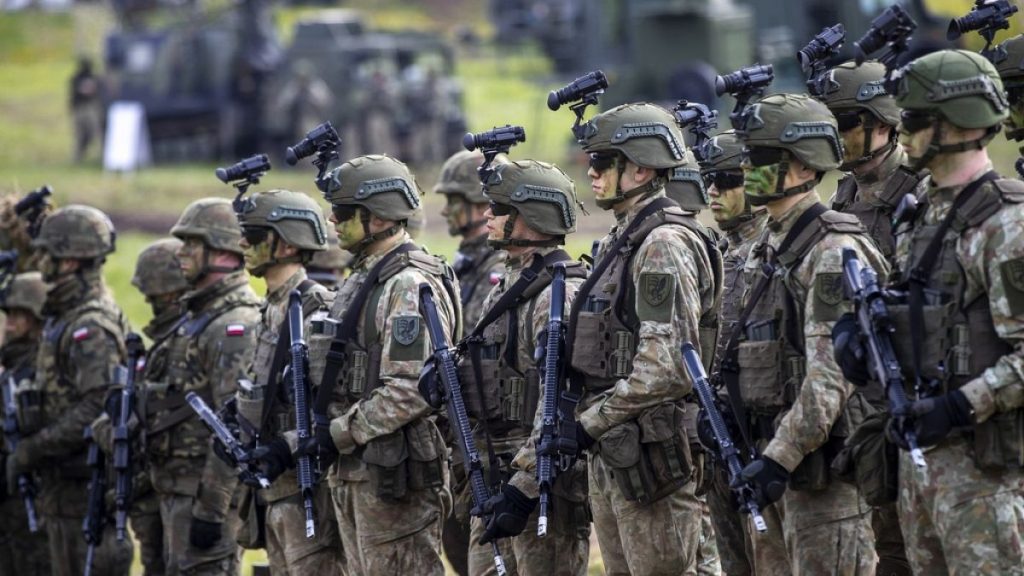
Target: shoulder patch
408, 339
1012, 273
81, 334
405, 329
828, 296
234, 330
656, 292
494, 278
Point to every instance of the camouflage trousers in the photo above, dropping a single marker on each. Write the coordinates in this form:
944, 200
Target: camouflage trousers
68, 549
892, 553
289, 552
381, 536
654, 538
149, 533
455, 534
816, 533
959, 519
731, 536
180, 557
708, 562
22, 553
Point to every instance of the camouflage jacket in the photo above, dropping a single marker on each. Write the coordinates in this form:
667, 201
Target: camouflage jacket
396, 401
991, 257
478, 268
813, 285
208, 353
18, 358
679, 255
735, 246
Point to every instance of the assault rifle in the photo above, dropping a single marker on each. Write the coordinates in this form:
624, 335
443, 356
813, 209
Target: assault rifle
727, 451
441, 365
300, 359
12, 435
558, 431
248, 472
122, 442
96, 515
876, 327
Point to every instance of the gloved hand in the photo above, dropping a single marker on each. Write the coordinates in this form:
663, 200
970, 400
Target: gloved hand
933, 419
766, 477
228, 413
321, 446
848, 350
204, 535
274, 457
583, 440
509, 512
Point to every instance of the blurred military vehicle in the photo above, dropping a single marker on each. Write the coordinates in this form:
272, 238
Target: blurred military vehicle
219, 83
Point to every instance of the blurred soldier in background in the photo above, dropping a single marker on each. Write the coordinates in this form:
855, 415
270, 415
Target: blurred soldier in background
85, 99
328, 267
303, 102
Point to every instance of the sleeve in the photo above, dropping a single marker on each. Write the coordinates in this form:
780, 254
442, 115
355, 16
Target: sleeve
226, 346
996, 263
672, 276
405, 347
824, 392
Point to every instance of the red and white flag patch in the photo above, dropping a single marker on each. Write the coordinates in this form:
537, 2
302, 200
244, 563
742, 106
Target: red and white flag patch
495, 278
80, 334
235, 330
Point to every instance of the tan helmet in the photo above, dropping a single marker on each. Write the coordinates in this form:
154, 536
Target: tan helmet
723, 152
294, 217
686, 185
213, 221
459, 176
76, 231
538, 192
645, 133
853, 87
158, 270
27, 291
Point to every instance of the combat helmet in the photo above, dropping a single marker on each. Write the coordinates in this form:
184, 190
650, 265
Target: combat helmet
538, 192
213, 221
76, 231
158, 270
645, 134
459, 177
326, 266
1011, 70
781, 127
26, 291
294, 217
849, 91
724, 153
960, 87
686, 186
380, 184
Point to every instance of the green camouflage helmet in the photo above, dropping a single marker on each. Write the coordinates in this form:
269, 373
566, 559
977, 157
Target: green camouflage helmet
960, 86
797, 123
293, 216
76, 231
723, 152
1011, 68
379, 183
646, 134
27, 291
158, 270
213, 220
459, 176
540, 193
851, 87
686, 186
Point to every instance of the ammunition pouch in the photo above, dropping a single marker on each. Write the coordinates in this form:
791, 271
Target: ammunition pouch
761, 376
999, 442
870, 462
252, 510
608, 355
813, 472
29, 400
650, 457
412, 458
700, 460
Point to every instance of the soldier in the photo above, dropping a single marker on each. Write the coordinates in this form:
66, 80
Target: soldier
327, 267
82, 342
281, 230
867, 116
1013, 80
207, 353
958, 330
22, 553
741, 224
654, 282
800, 408
533, 207
389, 483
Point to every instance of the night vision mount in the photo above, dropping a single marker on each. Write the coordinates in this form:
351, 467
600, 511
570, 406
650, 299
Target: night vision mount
815, 56
699, 120
890, 30
987, 17
583, 91
322, 141
491, 143
744, 85
32, 208
243, 174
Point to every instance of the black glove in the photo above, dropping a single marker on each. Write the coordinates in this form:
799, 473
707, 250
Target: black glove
274, 457
320, 447
933, 419
204, 535
228, 413
766, 478
848, 350
510, 510
583, 440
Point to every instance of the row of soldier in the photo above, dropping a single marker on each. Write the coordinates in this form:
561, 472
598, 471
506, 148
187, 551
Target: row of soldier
764, 304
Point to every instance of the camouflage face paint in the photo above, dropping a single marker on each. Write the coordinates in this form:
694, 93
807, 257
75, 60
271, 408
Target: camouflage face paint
760, 181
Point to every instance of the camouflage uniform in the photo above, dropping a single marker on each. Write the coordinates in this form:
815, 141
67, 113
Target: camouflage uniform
273, 414
82, 342
390, 484
22, 553
800, 407
625, 336
963, 512
207, 354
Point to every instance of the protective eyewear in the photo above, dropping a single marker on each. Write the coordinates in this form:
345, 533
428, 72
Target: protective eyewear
500, 209
601, 161
723, 180
758, 156
344, 212
912, 121
255, 235
848, 120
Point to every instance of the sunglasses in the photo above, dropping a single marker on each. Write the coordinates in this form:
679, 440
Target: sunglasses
344, 212
1014, 94
500, 209
255, 235
912, 121
723, 179
848, 120
601, 161
758, 156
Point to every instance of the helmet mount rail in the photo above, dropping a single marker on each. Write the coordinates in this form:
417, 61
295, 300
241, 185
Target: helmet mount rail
987, 17
32, 207
491, 143
699, 120
583, 91
243, 174
323, 141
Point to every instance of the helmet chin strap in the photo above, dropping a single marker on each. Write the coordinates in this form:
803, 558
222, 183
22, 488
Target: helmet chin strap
650, 187
371, 237
780, 190
507, 239
867, 154
260, 270
935, 147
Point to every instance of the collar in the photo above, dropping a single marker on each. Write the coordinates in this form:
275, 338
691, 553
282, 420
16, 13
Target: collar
939, 197
283, 292
623, 220
160, 326
200, 299
475, 244
16, 352
748, 230
365, 261
784, 224
514, 266
73, 289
